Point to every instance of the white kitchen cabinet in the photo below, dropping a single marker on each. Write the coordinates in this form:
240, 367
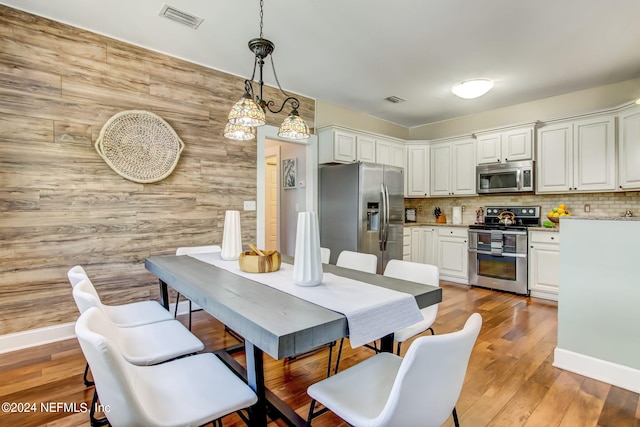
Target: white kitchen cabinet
577, 155
365, 149
510, 144
452, 170
336, 146
629, 148
453, 254
423, 245
417, 172
406, 244
390, 153
544, 264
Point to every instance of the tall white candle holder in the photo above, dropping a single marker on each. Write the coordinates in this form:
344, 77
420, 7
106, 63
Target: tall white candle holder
307, 265
231, 236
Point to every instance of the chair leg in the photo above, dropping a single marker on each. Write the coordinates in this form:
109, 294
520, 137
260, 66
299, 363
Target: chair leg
339, 355
311, 406
331, 345
95, 422
189, 314
175, 310
398, 350
455, 417
87, 381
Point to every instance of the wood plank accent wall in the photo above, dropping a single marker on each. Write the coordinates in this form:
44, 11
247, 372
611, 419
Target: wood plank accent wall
61, 204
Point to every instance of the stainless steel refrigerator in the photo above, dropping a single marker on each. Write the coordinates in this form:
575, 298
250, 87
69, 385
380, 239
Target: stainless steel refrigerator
362, 210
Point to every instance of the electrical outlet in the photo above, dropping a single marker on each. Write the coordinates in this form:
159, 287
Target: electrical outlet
249, 205
587, 208
419, 208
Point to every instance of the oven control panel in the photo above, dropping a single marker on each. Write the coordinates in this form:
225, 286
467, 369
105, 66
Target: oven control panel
519, 211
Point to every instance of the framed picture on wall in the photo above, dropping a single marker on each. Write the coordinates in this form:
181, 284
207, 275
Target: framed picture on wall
289, 167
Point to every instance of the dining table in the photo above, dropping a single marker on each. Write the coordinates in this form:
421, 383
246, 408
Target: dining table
269, 320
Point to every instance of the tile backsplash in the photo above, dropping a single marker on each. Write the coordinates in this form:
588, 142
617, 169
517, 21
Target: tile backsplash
600, 204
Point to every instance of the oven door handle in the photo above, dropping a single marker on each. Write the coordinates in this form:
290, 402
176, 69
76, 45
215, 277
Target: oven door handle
503, 254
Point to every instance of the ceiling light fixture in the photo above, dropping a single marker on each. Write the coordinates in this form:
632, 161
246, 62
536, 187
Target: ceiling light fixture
249, 111
470, 89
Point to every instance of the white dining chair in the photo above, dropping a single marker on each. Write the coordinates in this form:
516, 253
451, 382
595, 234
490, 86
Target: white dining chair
192, 250
420, 273
355, 261
76, 274
358, 261
192, 390
146, 344
387, 390
325, 255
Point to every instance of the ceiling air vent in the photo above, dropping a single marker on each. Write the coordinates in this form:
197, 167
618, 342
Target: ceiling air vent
180, 16
395, 99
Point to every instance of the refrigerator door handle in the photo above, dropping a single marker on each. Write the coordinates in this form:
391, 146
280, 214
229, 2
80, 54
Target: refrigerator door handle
386, 218
383, 222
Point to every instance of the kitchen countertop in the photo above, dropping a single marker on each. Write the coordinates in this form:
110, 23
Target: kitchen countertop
433, 224
607, 218
554, 229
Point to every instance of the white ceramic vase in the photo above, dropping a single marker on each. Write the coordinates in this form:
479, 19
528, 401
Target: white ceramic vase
307, 265
231, 236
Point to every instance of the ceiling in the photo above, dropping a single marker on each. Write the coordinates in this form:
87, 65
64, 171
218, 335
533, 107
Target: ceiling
355, 53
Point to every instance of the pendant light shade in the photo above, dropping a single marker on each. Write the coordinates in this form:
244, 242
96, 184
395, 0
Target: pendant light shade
239, 132
294, 127
246, 112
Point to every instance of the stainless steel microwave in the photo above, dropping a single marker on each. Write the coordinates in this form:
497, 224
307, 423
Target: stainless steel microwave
508, 177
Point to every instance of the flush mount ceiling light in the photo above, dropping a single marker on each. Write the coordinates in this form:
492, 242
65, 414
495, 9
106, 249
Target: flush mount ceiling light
470, 89
249, 111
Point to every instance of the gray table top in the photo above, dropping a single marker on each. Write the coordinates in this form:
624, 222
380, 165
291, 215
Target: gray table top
279, 324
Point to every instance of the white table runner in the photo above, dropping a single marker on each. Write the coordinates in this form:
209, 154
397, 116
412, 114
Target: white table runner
371, 311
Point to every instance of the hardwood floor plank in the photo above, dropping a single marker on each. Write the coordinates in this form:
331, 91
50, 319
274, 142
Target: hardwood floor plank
587, 405
555, 403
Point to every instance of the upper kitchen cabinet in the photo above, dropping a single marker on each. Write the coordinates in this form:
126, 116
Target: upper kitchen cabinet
336, 146
509, 144
417, 173
453, 167
577, 155
390, 153
341, 145
629, 148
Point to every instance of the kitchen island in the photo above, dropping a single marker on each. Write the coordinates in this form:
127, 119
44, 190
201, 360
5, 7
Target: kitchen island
598, 316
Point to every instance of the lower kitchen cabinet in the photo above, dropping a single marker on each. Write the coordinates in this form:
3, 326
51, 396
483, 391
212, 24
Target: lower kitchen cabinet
423, 245
544, 264
453, 254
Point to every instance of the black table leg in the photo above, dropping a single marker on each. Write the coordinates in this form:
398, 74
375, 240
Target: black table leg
255, 379
164, 295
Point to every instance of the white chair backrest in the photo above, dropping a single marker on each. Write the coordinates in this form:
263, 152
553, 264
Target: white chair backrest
426, 274
430, 378
109, 369
358, 261
325, 255
186, 250
76, 274
86, 296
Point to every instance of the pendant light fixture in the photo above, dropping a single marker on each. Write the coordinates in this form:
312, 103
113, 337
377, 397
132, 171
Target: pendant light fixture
249, 111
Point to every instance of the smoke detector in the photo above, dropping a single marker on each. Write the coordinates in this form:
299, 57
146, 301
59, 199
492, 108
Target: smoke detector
180, 16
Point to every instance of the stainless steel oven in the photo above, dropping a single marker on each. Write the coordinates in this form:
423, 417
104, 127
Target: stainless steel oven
498, 259
498, 249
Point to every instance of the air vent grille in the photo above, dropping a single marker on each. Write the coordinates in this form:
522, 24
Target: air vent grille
395, 99
180, 16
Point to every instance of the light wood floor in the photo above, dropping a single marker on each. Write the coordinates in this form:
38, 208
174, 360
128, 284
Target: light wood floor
510, 380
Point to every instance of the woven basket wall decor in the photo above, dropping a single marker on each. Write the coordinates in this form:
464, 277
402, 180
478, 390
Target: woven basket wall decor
139, 146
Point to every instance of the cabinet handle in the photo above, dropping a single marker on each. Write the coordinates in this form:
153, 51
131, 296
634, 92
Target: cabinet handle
552, 237
506, 160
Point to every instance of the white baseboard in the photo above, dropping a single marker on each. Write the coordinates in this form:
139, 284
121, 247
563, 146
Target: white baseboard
35, 337
601, 370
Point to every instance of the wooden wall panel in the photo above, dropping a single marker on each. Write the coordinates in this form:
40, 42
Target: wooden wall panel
61, 205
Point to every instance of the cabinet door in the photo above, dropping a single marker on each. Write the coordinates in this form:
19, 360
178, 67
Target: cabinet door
594, 152
489, 147
344, 147
440, 174
453, 258
629, 148
463, 167
555, 159
397, 156
430, 248
517, 144
417, 244
417, 170
544, 270
365, 149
